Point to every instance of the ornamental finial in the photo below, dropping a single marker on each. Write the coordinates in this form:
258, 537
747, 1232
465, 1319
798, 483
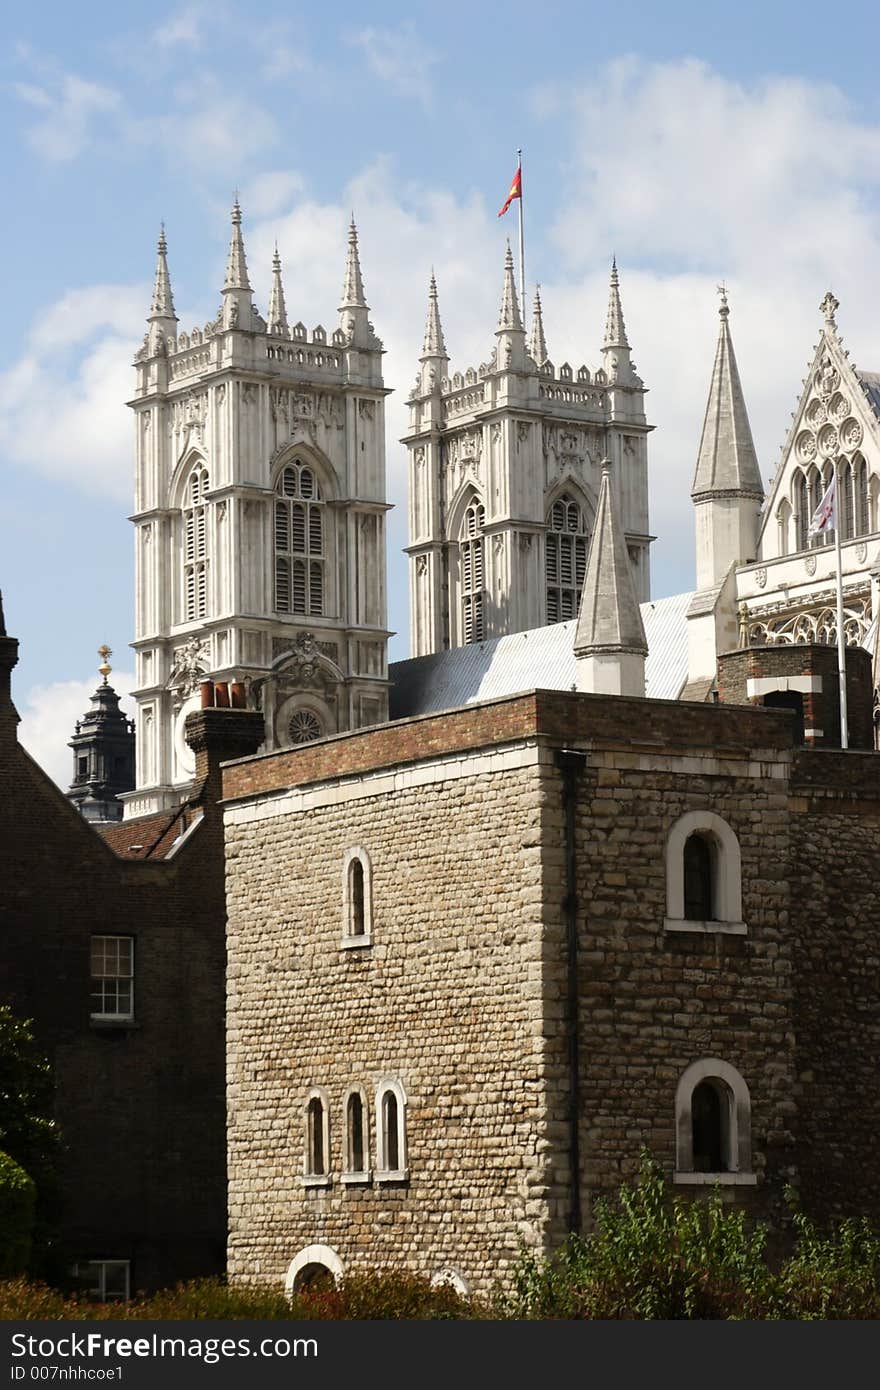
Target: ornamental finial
829, 307
104, 652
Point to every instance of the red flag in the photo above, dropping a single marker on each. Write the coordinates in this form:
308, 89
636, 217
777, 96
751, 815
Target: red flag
515, 191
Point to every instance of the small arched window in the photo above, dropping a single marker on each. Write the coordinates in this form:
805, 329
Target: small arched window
195, 545
703, 875
315, 1266
300, 542
357, 1157
470, 552
391, 1132
357, 893
698, 879
565, 558
802, 510
713, 1141
316, 1168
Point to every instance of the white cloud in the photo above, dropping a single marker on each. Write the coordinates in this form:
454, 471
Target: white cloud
400, 58
183, 29
209, 127
70, 110
49, 714
62, 410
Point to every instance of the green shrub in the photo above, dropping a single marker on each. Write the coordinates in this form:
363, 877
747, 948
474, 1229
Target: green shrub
832, 1275
17, 1203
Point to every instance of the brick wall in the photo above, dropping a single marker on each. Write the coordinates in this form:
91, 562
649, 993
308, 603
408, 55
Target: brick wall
821, 706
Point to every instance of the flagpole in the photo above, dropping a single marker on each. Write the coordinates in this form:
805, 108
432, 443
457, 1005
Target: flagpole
522, 255
841, 639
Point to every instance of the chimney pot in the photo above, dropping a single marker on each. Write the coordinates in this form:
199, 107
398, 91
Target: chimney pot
221, 695
207, 693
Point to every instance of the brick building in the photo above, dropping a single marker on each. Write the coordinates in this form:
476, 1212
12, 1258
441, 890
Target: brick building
115, 948
479, 958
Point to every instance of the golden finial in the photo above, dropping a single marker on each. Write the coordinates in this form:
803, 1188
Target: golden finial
105, 668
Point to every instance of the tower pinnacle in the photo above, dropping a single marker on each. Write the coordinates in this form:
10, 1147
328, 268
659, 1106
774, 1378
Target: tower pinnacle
610, 644
509, 319
615, 329
353, 286
277, 308
162, 320
238, 304
537, 342
433, 346
727, 462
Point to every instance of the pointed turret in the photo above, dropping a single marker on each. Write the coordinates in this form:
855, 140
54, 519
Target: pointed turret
537, 342
510, 333
162, 318
238, 304
434, 358
609, 644
616, 358
353, 308
103, 753
277, 308
727, 489
8, 659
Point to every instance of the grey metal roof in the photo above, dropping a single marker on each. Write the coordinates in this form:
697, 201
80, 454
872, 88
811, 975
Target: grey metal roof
871, 387
541, 659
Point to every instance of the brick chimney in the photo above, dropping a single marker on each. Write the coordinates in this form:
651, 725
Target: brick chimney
221, 730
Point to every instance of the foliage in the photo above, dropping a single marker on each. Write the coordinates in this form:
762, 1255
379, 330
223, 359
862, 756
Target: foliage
834, 1275
17, 1198
28, 1131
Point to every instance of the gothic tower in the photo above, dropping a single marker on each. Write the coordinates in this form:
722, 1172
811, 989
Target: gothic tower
260, 519
505, 473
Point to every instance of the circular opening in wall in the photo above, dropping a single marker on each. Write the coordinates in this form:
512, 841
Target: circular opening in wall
304, 727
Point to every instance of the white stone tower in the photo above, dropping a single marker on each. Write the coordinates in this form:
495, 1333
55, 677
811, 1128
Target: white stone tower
260, 520
505, 463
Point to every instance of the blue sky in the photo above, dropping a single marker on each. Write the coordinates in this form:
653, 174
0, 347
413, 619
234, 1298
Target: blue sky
698, 142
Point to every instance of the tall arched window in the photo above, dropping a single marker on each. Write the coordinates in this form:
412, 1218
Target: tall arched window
698, 879
848, 509
713, 1138
357, 898
710, 1111
299, 542
195, 545
390, 1132
470, 551
315, 1155
565, 558
802, 510
860, 476
356, 1156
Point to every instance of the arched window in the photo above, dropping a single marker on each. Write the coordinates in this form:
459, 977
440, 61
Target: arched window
703, 876
860, 476
391, 1132
195, 546
783, 521
314, 1266
300, 550
565, 558
847, 510
316, 1168
699, 874
470, 551
713, 1140
802, 510
357, 1156
357, 894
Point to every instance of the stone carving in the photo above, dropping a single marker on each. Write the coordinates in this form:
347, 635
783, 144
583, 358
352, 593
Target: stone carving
828, 441
805, 446
419, 457
861, 552
810, 564
827, 379
761, 577
838, 406
190, 666
816, 414
421, 566
522, 431
366, 409
221, 393
851, 434
249, 392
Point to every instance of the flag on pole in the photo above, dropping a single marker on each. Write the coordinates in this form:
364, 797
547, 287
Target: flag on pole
515, 191
825, 515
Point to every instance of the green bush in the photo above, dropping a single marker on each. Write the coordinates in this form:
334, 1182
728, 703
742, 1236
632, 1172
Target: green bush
17, 1204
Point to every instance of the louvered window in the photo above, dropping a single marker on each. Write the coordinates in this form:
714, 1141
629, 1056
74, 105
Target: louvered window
565, 559
802, 510
195, 546
471, 561
300, 576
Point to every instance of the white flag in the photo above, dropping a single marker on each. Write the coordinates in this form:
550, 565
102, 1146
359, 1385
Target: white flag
825, 515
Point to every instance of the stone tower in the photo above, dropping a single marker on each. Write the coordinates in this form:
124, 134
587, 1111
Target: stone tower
103, 753
260, 519
609, 641
505, 465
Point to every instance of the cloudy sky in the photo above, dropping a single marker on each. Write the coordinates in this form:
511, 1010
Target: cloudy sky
698, 142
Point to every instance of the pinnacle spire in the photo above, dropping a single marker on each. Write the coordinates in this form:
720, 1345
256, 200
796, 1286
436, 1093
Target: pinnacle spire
236, 265
433, 346
277, 308
509, 319
2, 619
162, 306
537, 342
609, 618
353, 286
727, 462
615, 328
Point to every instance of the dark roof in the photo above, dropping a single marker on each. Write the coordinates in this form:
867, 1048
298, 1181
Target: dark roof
149, 837
871, 387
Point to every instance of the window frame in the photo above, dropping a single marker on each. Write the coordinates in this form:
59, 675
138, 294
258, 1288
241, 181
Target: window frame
99, 1294
735, 1095
727, 875
310, 1177
100, 1016
352, 940
383, 1173
351, 1176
